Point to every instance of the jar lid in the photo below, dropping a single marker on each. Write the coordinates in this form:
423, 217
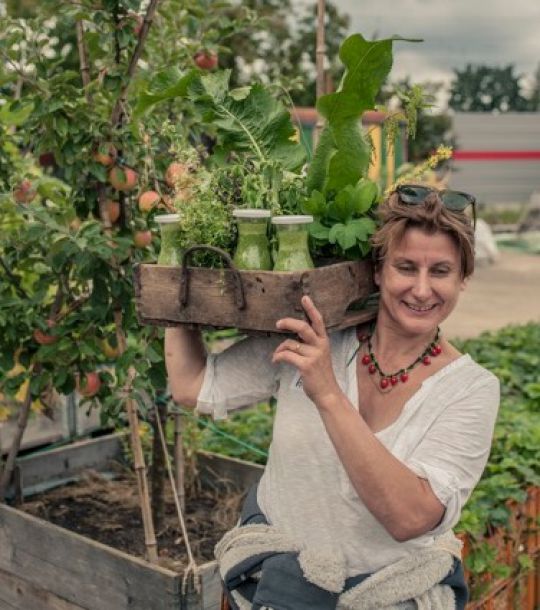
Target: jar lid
250, 213
292, 220
167, 218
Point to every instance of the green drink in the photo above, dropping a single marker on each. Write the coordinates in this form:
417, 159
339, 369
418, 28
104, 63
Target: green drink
169, 228
252, 250
293, 248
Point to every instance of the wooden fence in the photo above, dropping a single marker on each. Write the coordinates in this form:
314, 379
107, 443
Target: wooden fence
520, 590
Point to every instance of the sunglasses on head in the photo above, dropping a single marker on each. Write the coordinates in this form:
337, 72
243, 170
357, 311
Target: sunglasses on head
456, 201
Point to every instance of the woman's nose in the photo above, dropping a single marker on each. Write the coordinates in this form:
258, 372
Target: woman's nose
421, 288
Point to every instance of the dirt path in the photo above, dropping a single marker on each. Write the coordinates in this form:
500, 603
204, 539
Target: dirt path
507, 292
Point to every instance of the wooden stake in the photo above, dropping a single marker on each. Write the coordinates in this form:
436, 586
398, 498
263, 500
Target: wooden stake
320, 54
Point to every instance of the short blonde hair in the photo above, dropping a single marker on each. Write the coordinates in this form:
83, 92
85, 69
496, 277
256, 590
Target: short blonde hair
431, 216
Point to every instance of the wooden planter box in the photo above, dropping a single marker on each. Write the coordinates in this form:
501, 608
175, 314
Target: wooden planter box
45, 567
251, 300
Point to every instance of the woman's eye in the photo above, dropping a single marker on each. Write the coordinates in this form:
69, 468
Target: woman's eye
405, 269
440, 272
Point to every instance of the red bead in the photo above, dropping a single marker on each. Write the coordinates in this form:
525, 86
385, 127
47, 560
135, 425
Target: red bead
426, 360
372, 369
404, 377
384, 383
366, 359
393, 380
438, 348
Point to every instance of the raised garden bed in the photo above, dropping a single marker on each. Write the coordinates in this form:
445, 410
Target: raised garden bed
47, 567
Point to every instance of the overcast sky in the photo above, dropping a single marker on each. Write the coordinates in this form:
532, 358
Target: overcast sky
455, 32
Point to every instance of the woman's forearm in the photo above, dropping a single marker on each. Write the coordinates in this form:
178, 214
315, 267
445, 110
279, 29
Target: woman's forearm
185, 358
403, 502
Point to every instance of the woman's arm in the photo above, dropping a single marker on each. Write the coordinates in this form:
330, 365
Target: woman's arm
185, 358
404, 503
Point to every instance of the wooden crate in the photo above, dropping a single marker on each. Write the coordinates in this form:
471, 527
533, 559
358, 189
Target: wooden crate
46, 567
251, 300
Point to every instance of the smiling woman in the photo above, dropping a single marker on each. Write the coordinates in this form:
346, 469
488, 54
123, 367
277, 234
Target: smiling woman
380, 433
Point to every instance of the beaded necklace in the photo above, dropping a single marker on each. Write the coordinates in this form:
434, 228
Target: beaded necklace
389, 380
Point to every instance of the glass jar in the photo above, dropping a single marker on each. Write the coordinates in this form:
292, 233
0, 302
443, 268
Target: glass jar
169, 228
293, 248
253, 249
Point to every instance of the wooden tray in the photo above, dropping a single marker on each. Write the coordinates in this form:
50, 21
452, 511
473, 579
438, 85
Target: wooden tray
250, 300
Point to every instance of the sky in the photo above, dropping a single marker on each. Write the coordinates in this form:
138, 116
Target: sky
455, 32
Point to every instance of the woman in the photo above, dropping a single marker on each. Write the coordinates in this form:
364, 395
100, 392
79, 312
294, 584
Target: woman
379, 437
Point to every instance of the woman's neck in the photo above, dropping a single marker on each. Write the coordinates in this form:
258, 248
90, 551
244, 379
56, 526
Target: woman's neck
393, 344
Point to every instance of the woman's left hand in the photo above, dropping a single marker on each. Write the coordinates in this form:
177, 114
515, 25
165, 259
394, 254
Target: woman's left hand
310, 355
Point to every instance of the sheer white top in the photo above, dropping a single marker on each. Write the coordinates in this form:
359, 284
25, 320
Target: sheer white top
443, 434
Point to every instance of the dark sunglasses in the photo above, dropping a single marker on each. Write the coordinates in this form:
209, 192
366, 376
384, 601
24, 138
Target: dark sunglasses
456, 201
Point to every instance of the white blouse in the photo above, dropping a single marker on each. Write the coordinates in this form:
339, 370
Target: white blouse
443, 434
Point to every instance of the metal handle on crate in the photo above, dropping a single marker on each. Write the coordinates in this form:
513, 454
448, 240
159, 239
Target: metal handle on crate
239, 294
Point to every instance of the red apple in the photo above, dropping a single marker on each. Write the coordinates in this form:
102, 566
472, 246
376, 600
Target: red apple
206, 60
142, 239
24, 193
123, 178
47, 159
176, 173
105, 154
113, 210
44, 338
148, 200
90, 384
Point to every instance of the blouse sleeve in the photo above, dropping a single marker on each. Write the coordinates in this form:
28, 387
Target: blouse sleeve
239, 376
454, 452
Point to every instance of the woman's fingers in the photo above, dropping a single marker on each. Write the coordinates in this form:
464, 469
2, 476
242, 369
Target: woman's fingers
309, 333
317, 322
298, 327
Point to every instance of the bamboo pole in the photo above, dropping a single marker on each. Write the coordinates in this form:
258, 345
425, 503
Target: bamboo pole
136, 447
320, 53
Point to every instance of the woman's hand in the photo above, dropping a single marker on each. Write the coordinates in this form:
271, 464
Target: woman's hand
310, 355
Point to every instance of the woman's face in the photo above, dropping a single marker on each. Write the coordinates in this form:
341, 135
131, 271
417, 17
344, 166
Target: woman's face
420, 281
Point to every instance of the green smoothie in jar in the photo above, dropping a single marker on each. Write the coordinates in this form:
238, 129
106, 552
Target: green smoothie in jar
170, 231
253, 249
293, 247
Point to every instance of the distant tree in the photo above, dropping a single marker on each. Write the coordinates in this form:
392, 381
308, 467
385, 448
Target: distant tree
282, 51
480, 88
534, 98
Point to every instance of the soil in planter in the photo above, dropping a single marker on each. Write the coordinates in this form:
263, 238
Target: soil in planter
108, 511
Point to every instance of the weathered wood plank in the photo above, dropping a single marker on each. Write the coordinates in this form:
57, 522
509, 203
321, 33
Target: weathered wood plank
215, 469
211, 586
63, 462
269, 295
80, 570
19, 594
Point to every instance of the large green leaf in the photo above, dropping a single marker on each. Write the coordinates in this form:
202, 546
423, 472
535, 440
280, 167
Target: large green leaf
165, 85
249, 120
343, 153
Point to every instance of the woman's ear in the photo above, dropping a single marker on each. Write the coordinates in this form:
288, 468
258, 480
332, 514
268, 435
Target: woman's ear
377, 274
465, 282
